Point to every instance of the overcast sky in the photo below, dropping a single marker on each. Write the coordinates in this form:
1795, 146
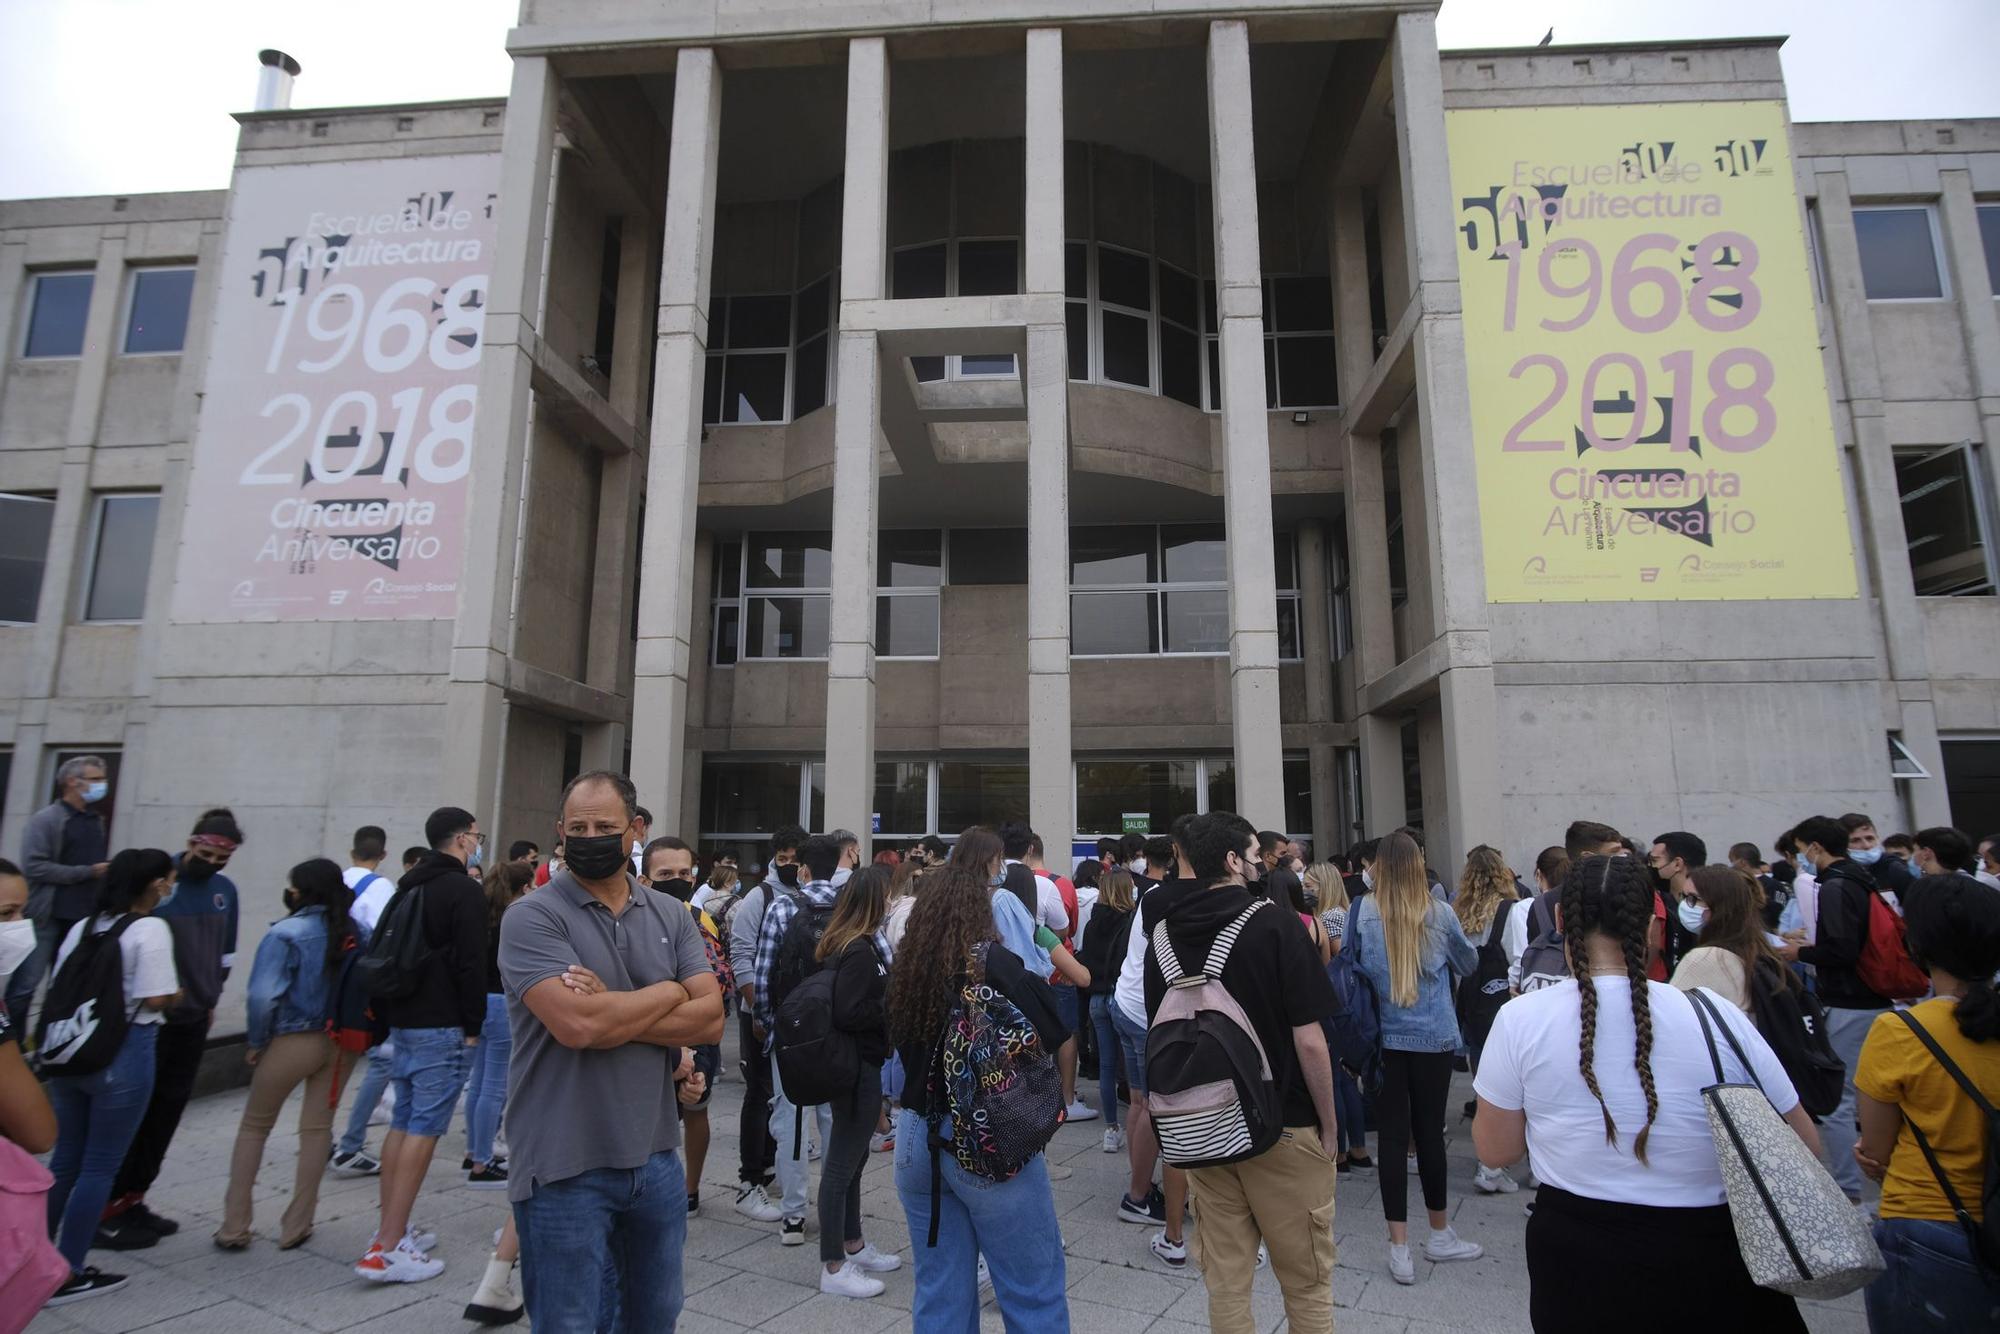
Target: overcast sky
125, 96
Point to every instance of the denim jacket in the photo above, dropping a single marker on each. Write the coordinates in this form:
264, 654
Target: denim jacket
1432, 1023
290, 984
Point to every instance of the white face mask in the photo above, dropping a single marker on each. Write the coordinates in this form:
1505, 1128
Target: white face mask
1139, 866
17, 942
1368, 876
1694, 916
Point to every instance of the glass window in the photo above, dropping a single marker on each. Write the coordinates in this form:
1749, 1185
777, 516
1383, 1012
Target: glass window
1127, 359
1290, 645
1180, 363
728, 619
1301, 304
906, 627
902, 798
1178, 297
1195, 553
786, 627
1112, 555
1944, 521
1076, 269
909, 566
988, 268
918, 272
157, 321
56, 315
1102, 624
711, 391
815, 307
1305, 373
1898, 253
1108, 790
725, 589
122, 559
791, 560
910, 558
1989, 237
1077, 315
809, 389
1286, 566
1221, 785
746, 371
1298, 796
760, 321
1197, 621
1972, 782
985, 556
1124, 279
749, 796
753, 388
810, 356
24, 553
974, 792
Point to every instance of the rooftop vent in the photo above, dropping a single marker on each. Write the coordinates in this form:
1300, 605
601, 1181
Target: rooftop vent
274, 80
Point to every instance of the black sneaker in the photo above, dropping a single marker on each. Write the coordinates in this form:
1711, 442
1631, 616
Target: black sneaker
1151, 1210
792, 1232
145, 1217
694, 1204
92, 1282
356, 1164
493, 1176
124, 1233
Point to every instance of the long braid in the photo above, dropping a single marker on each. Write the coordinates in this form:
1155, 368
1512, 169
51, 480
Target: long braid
1576, 926
1638, 917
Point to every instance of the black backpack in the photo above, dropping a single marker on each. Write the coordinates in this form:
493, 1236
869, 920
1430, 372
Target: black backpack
817, 1063
797, 957
1544, 962
84, 1019
393, 967
1981, 1234
1482, 992
1792, 1022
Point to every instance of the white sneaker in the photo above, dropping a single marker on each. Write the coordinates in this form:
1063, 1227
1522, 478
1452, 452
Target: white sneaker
1401, 1268
850, 1280
423, 1238
380, 1116
1448, 1245
1060, 1172
874, 1261
1495, 1181
882, 1141
985, 1281
405, 1264
754, 1204
1114, 1139
1079, 1110
1263, 1256
812, 1151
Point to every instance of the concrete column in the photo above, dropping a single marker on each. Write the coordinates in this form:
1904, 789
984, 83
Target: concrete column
13, 277
1885, 544
25, 793
1316, 649
1051, 803
622, 485
475, 700
666, 565
857, 432
1381, 738
1246, 446
1978, 311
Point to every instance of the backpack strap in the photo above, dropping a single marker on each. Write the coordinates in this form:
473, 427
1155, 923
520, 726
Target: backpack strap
1218, 953
1950, 1067
1958, 1209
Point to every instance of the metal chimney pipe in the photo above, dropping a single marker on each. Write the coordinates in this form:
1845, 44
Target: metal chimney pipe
274, 80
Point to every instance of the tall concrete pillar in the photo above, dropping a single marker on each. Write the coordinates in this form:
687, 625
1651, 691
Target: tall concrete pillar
673, 472
1051, 804
857, 431
1978, 312
1316, 651
483, 632
1246, 446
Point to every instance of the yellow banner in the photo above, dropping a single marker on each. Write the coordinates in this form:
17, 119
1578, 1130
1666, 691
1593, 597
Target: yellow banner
1649, 407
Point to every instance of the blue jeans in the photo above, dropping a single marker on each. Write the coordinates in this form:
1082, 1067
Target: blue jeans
381, 1059
487, 1095
428, 1073
96, 1117
601, 1251
1932, 1282
1011, 1223
1347, 1105
1132, 1047
1108, 1057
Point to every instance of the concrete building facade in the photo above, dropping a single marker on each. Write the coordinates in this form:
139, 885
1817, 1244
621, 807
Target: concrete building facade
897, 415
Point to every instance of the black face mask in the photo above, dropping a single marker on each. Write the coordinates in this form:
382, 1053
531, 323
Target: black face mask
291, 899
680, 889
194, 869
597, 858
789, 876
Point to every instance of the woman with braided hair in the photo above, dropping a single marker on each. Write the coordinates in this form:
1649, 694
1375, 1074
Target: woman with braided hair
1600, 1078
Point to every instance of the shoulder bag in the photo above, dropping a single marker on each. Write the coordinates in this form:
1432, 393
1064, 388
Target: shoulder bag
1796, 1230
31, 1269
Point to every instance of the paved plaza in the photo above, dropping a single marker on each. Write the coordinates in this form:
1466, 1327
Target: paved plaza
738, 1275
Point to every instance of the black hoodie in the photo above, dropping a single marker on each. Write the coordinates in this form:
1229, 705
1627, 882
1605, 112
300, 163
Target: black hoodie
1844, 891
452, 993
1273, 972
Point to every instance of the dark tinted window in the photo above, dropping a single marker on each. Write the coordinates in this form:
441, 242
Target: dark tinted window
753, 387
1304, 305
987, 268
1305, 373
790, 560
1125, 353
989, 556
123, 559
906, 627
760, 321
1111, 554
1180, 365
1101, 623
56, 316
159, 318
1124, 278
24, 553
909, 558
1898, 261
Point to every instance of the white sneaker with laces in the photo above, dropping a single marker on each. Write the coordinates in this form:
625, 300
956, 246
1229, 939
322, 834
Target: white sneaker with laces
874, 1261
404, 1264
850, 1280
754, 1204
1173, 1254
1114, 1139
1448, 1245
1079, 1110
985, 1280
1401, 1268
1495, 1181
812, 1151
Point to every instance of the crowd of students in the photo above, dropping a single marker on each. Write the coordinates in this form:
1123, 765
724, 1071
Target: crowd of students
1247, 1015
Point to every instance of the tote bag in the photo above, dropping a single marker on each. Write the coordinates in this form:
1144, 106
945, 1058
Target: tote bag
31, 1269
1796, 1230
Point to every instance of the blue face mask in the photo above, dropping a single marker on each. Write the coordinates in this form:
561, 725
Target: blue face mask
1867, 856
478, 857
94, 792
999, 878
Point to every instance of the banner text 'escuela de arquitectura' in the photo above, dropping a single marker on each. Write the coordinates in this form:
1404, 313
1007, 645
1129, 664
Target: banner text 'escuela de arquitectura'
1649, 405
335, 435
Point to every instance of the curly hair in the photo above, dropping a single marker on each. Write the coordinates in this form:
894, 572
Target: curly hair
1483, 888
935, 959
1612, 897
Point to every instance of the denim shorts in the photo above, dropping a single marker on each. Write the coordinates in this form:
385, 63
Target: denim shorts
1132, 1042
428, 1073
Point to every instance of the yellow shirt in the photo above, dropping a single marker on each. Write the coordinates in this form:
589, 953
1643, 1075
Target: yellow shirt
1897, 1068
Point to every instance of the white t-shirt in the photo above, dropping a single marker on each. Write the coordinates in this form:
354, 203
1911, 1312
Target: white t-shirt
1130, 993
1530, 1063
368, 903
148, 950
1049, 909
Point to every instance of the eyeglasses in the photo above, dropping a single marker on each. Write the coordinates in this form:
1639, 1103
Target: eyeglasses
478, 838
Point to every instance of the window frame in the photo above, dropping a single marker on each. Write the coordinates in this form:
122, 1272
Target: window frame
954, 369
805, 593
1290, 590
86, 591
1982, 516
31, 289
935, 592
1275, 402
1981, 209
728, 350
832, 279
41, 585
1158, 588
1202, 761
1929, 209
131, 300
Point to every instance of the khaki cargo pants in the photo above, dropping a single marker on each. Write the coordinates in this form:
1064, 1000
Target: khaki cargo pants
1283, 1198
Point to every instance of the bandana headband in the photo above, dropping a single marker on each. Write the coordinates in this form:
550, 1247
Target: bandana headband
216, 841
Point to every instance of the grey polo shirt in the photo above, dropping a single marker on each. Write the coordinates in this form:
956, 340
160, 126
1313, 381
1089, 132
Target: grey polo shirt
571, 1111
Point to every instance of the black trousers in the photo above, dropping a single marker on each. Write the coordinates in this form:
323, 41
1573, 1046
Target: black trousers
1589, 1261
176, 1062
1415, 1085
757, 1151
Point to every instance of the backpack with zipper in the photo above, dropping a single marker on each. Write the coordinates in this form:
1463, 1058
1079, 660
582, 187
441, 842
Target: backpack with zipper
1885, 966
85, 1016
1982, 1234
1209, 1088
393, 966
351, 1022
1484, 990
1544, 962
1354, 1029
995, 1082
1791, 1021
817, 1063
718, 958
797, 949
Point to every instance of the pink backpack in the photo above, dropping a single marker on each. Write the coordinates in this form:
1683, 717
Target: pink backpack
31, 1268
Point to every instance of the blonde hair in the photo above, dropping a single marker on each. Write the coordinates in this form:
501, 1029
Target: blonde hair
1403, 897
1325, 878
1482, 888
1114, 890
722, 879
